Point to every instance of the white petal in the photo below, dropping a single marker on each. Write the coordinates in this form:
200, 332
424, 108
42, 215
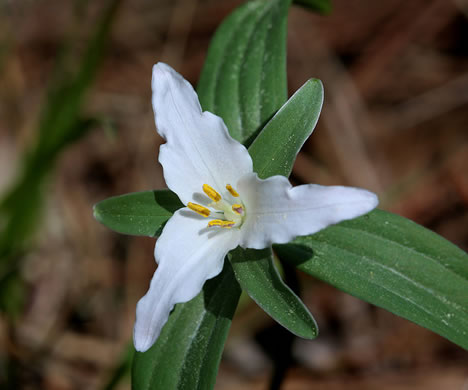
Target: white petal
199, 149
276, 212
188, 254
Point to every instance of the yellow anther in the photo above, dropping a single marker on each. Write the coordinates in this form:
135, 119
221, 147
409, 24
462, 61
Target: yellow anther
211, 192
232, 191
203, 211
221, 223
238, 209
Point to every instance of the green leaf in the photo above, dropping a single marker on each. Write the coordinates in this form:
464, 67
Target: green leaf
393, 263
139, 213
321, 6
276, 147
244, 77
256, 273
188, 351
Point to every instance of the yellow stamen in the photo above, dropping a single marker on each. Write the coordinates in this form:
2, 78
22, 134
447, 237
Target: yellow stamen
211, 192
232, 191
220, 223
203, 211
238, 209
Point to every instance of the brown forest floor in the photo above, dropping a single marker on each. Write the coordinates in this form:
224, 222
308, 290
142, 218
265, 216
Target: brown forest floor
394, 121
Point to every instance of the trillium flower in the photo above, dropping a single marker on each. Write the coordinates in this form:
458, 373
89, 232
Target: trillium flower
227, 205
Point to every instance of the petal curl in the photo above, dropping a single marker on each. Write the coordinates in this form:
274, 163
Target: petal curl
199, 149
276, 212
188, 254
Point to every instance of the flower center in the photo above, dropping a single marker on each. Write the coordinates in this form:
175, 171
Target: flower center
226, 214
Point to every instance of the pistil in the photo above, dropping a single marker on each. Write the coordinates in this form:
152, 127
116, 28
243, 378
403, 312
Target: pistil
238, 209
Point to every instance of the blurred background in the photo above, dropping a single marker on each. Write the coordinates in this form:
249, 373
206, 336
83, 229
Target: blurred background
76, 126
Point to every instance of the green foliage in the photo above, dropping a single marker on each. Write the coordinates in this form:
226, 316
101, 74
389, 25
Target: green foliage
274, 150
393, 263
140, 213
257, 275
188, 351
244, 77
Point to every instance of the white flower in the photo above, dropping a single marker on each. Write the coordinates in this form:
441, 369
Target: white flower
227, 204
